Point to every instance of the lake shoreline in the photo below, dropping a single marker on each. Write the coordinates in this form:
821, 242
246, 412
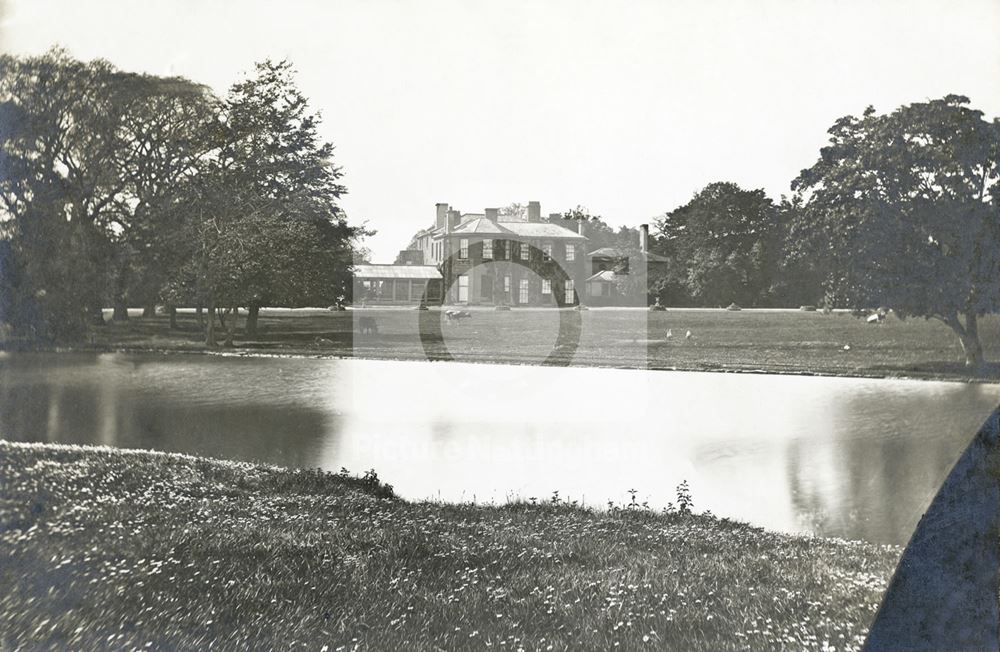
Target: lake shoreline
238, 352
251, 555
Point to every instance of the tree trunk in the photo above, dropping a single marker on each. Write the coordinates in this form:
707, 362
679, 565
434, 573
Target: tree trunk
200, 312
231, 326
173, 317
97, 316
221, 314
149, 310
970, 344
251, 326
968, 336
121, 310
210, 325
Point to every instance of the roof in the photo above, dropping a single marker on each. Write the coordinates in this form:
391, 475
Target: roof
606, 252
396, 271
481, 225
611, 252
607, 276
542, 230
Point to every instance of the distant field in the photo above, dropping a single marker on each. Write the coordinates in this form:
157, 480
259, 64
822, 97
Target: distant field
750, 340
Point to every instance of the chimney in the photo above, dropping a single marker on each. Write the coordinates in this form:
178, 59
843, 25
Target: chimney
644, 238
442, 215
534, 211
580, 227
454, 217
492, 214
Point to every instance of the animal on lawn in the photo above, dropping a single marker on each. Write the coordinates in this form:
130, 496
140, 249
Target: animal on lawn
456, 315
367, 326
670, 333
688, 335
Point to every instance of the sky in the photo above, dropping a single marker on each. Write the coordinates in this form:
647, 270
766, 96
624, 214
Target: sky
625, 107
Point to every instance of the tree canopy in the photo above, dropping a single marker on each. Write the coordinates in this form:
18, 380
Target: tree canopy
901, 209
723, 245
127, 188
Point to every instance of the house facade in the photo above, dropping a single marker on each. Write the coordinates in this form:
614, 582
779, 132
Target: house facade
494, 260
487, 259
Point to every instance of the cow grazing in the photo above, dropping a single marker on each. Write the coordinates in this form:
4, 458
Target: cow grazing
456, 315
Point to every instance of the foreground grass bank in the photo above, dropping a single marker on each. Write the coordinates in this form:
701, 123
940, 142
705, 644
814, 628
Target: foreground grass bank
792, 342
128, 550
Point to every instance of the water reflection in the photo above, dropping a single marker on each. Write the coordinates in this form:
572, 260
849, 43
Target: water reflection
835, 457
216, 407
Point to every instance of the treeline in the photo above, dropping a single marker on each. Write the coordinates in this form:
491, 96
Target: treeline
732, 245
122, 189
726, 245
900, 211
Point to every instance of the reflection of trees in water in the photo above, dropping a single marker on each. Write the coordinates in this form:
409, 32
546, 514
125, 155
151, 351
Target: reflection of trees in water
101, 412
889, 455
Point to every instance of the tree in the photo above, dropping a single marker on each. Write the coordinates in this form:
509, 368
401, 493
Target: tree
902, 210
59, 121
263, 224
723, 245
597, 231
798, 279
166, 131
514, 212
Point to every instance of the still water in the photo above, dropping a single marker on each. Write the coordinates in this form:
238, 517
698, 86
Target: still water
852, 458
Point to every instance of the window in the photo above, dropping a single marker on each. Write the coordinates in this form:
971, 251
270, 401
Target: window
487, 249
547, 251
570, 253
463, 289
525, 251
523, 290
501, 247
506, 284
433, 290
546, 286
463, 249
569, 292
417, 289
402, 290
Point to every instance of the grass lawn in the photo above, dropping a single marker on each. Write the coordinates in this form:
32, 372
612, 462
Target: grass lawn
749, 340
105, 548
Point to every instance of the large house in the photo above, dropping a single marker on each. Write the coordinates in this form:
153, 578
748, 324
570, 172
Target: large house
492, 259
486, 258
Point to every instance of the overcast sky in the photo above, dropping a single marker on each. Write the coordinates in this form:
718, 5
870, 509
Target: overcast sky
627, 108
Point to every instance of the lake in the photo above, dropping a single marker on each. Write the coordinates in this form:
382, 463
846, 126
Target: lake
844, 457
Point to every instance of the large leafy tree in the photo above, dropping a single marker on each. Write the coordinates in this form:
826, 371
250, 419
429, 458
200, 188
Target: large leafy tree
264, 223
902, 209
59, 121
91, 158
117, 186
723, 245
167, 133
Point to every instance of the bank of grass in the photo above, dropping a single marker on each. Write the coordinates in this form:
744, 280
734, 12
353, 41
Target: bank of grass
793, 342
111, 549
